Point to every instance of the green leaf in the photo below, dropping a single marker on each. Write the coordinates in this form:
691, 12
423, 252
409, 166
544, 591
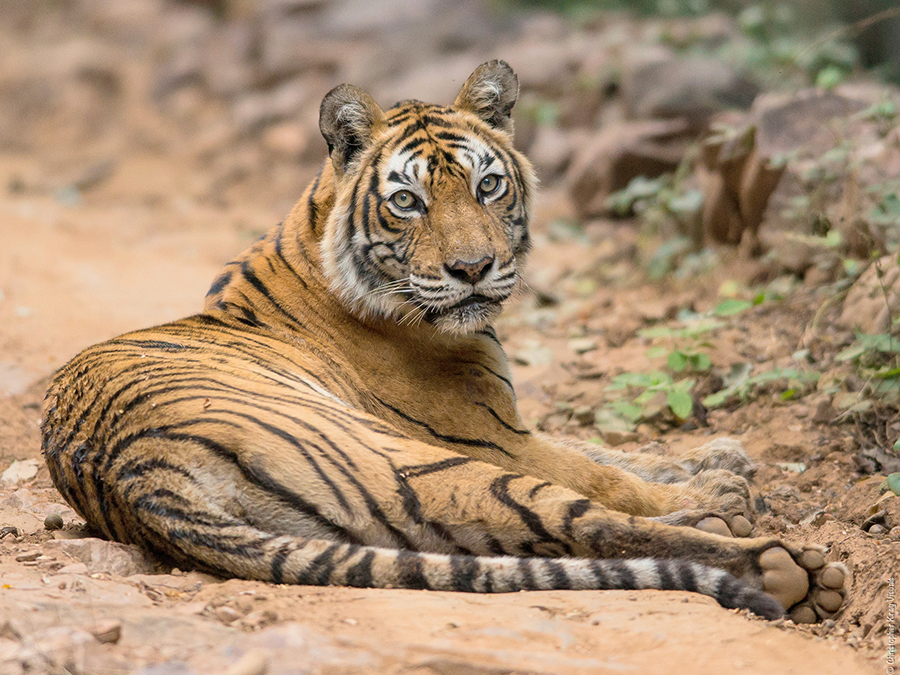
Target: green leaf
681, 403
852, 352
627, 410
893, 483
717, 399
732, 306
700, 362
830, 77
677, 361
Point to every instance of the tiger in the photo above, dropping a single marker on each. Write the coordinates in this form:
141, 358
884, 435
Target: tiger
342, 412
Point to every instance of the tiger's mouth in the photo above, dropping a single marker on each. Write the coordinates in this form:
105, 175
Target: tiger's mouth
469, 314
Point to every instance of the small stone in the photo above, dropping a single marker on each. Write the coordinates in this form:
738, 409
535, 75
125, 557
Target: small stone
828, 624
53, 522
107, 632
28, 557
895, 533
226, 614
877, 530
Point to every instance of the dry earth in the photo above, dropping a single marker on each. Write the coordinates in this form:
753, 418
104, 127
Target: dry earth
113, 225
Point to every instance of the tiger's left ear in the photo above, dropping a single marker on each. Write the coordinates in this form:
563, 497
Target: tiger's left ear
491, 92
347, 117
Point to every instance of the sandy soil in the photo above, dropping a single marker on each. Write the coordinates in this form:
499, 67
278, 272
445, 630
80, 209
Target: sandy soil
71, 276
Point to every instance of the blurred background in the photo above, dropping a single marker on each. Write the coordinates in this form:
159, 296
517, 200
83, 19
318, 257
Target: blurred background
232, 87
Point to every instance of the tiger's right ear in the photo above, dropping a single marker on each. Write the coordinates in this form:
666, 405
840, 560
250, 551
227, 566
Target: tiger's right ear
491, 92
346, 119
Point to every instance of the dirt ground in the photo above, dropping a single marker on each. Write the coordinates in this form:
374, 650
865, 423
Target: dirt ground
157, 213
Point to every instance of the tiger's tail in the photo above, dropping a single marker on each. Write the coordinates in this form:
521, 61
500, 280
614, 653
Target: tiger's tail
253, 554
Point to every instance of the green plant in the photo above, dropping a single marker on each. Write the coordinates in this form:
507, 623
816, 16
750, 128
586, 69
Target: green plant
656, 392
741, 384
877, 359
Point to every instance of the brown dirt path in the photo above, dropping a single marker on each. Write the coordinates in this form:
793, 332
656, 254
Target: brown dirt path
71, 276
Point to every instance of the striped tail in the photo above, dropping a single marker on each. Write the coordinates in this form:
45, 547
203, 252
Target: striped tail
285, 559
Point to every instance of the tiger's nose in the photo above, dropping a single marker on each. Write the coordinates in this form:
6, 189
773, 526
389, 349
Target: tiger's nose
470, 271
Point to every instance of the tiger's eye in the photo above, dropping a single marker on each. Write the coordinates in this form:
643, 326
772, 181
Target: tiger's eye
489, 184
404, 199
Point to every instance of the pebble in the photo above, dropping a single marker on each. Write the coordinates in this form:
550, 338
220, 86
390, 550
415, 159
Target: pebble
107, 631
877, 529
895, 533
53, 522
226, 614
28, 557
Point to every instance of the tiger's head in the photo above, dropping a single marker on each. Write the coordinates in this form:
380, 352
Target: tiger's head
430, 218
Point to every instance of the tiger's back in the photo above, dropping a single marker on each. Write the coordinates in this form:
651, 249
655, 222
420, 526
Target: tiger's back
342, 412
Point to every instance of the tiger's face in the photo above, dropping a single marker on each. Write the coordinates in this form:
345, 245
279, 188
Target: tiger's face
430, 222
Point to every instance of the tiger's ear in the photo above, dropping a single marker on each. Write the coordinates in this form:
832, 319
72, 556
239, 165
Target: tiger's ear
491, 92
347, 117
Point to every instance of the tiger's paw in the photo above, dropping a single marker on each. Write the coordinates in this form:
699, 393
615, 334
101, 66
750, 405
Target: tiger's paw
809, 589
734, 525
722, 453
720, 491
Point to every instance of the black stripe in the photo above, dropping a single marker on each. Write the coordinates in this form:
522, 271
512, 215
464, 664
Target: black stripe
474, 442
463, 573
278, 560
409, 570
503, 423
500, 490
360, 574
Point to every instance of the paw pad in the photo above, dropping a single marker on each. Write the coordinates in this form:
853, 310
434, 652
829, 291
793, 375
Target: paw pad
804, 583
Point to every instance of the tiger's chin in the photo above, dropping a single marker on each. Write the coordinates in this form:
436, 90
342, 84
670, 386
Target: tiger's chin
473, 314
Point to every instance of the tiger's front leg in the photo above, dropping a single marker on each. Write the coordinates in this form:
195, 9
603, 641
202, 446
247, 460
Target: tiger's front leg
715, 469
711, 493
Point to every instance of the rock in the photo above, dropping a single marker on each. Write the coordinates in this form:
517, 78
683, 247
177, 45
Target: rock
874, 298
617, 154
107, 631
226, 614
787, 123
53, 522
669, 87
108, 557
20, 471
21, 499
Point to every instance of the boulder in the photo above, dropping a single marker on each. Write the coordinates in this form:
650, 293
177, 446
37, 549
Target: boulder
874, 298
666, 86
608, 161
